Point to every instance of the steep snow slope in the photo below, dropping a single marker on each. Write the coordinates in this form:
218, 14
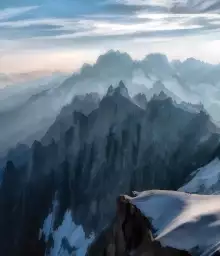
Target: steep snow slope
182, 221
205, 180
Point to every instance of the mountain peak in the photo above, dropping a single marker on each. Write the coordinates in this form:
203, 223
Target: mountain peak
110, 91
140, 99
121, 89
161, 96
121, 84
112, 57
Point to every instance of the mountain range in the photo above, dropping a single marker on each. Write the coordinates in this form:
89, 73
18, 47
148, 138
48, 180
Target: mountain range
189, 81
58, 196
70, 146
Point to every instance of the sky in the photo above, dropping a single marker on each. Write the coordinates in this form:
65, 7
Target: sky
61, 35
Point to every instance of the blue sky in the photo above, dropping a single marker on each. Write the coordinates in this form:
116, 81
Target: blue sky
63, 34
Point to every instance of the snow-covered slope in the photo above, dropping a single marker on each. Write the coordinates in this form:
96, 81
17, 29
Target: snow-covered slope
68, 238
205, 180
182, 221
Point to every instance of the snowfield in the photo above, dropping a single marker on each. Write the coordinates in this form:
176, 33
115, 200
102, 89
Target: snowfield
206, 179
183, 221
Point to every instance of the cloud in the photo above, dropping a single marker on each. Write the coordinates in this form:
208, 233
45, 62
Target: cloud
132, 8
8, 13
102, 24
39, 28
199, 6
86, 30
170, 6
214, 7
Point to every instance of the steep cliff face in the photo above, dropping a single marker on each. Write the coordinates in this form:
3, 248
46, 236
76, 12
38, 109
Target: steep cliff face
130, 234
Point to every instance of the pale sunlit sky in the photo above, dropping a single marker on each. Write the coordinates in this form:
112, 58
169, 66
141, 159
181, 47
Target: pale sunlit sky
63, 34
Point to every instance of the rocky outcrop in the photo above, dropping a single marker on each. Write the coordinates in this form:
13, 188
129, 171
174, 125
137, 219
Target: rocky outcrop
130, 234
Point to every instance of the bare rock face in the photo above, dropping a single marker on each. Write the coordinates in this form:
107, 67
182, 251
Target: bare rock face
130, 234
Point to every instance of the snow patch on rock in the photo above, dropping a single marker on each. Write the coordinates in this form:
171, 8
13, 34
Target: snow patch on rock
67, 238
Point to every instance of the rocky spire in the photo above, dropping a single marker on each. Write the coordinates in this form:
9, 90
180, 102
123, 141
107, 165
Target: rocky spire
121, 89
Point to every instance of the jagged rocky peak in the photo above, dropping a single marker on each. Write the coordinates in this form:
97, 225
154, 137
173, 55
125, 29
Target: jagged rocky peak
84, 104
120, 90
141, 100
161, 97
110, 91
92, 96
